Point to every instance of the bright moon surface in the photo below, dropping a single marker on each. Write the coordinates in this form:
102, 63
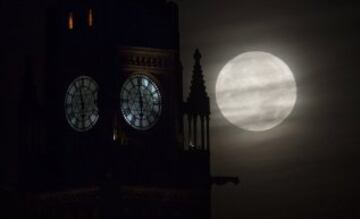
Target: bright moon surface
256, 91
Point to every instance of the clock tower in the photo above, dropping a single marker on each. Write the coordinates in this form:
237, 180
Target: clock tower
113, 83
114, 116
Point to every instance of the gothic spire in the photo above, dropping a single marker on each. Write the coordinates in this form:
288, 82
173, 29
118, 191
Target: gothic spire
198, 100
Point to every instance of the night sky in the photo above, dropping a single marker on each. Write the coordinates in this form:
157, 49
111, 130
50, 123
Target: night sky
308, 166
305, 168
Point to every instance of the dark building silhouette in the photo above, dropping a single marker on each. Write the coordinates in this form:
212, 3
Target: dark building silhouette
30, 130
109, 140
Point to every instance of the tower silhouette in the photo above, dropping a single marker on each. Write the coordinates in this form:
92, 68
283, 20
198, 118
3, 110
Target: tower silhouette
108, 141
198, 109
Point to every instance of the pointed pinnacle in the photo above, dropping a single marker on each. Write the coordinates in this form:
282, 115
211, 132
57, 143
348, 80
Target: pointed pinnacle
197, 55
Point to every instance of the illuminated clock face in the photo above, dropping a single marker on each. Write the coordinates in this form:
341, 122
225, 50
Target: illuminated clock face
81, 108
140, 102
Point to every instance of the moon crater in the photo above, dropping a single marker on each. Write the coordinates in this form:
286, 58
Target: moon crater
256, 91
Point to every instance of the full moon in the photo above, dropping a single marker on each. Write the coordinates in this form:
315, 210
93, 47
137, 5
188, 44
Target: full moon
256, 91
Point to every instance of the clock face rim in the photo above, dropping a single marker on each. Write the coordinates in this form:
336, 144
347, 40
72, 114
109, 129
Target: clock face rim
158, 114
95, 91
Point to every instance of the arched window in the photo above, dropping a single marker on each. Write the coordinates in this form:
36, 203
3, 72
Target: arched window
90, 18
70, 21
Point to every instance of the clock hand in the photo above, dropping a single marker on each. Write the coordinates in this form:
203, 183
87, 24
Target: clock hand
82, 107
141, 103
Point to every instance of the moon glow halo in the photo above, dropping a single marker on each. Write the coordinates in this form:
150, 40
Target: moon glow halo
256, 91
